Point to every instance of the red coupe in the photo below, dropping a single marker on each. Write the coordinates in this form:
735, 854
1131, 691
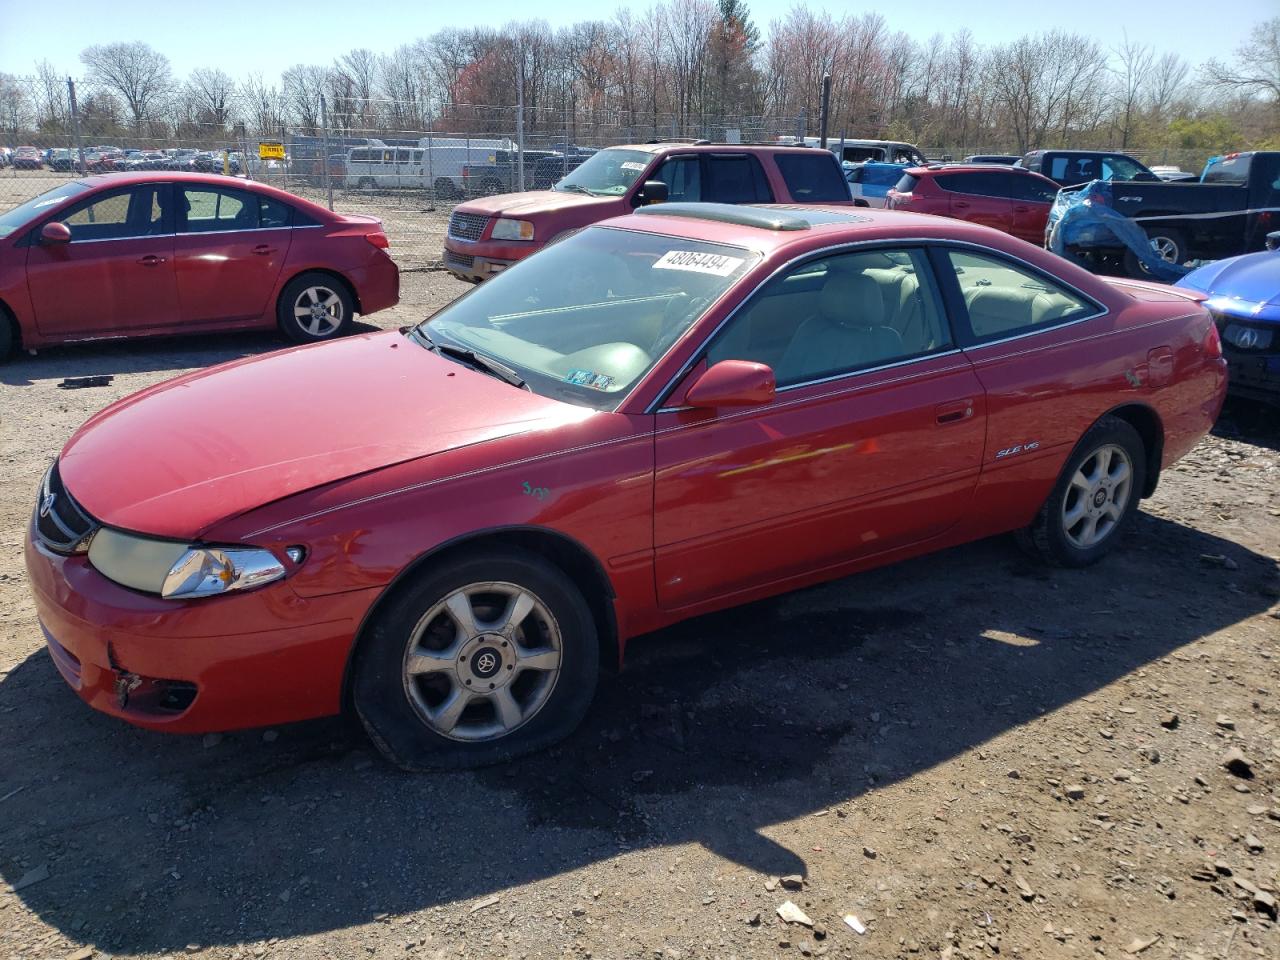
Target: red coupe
666, 414
140, 254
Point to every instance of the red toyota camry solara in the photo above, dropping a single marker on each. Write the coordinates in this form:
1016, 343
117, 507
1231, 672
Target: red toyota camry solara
662, 415
141, 254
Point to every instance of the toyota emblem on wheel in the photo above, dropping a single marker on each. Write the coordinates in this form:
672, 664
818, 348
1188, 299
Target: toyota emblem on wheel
485, 663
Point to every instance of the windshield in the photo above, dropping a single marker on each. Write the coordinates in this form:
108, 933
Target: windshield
21, 215
587, 317
609, 173
1123, 168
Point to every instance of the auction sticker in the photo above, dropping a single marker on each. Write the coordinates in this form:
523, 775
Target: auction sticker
695, 262
632, 165
587, 378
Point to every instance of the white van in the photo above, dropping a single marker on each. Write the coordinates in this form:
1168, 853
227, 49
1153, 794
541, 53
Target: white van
444, 157
879, 151
382, 167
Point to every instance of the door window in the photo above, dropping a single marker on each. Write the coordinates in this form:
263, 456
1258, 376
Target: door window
736, 179
1003, 299
837, 315
127, 213
213, 209
1032, 189
812, 177
683, 177
273, 213
975, 184
1073, 170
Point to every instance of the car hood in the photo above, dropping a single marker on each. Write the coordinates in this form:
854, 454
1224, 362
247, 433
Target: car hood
179, 457
1247, 286
532, 203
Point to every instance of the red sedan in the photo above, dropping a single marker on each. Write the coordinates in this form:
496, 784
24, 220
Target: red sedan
1011, 199
670, 413
163, 253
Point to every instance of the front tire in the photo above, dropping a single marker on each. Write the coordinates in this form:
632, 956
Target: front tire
1094, 500
314, 307
489, 657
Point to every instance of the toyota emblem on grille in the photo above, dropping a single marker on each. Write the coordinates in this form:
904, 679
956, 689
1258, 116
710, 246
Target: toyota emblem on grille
46, 504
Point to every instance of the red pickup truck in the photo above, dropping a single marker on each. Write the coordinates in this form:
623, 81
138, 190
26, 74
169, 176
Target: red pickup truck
489, 234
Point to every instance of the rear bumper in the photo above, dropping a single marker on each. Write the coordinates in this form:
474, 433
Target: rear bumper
377, 285
225, 663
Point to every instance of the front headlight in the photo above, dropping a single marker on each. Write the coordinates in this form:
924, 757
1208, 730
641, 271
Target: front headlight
506, 229
178, 571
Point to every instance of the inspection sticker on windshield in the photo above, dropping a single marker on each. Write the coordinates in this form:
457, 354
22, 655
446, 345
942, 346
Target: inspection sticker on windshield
585, 378
695, 262
632, 165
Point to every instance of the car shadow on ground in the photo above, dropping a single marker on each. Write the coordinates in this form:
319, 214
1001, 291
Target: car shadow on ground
1250, 421
153, 354
719, 729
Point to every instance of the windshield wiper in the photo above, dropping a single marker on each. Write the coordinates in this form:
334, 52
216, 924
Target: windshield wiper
477, 361
574, 188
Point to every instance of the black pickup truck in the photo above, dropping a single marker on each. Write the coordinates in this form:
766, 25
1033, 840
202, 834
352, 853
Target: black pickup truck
1228, 212
542, 168
1071, 168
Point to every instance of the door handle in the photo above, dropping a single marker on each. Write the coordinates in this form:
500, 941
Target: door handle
151, 260
956, 411
263, 249
961, 205
1021, 209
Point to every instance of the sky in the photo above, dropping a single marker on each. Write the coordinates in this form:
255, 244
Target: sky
246, 37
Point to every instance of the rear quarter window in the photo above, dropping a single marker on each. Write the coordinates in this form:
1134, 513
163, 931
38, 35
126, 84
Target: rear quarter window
907, 183
812, 178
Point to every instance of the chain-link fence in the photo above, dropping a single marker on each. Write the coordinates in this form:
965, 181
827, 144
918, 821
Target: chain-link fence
388, 158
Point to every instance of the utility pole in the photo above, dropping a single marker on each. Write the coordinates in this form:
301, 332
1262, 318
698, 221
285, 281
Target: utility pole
75, 123
324, 133
826, 110
520, 121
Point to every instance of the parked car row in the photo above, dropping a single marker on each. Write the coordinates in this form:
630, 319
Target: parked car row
107, 159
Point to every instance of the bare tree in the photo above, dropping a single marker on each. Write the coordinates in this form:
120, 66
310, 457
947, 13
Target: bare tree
210, 92
1256, 67
1133, 71
303, 86
139, 74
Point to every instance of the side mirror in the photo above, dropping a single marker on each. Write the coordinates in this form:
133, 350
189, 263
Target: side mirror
859, 202
653, 191
732, 383
55, 232
1273, 240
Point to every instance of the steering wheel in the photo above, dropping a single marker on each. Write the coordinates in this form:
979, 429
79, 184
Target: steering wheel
675, 320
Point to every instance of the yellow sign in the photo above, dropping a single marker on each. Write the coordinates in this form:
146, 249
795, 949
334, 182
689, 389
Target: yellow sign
270, 151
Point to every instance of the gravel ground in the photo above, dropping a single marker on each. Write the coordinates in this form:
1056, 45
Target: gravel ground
972, 754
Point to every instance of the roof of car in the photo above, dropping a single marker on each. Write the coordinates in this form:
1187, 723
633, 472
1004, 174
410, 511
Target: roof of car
703, 146
820, 222
212, 179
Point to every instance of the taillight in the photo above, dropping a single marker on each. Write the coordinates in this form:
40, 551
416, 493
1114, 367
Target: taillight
379, 240
1212, 344
901, 199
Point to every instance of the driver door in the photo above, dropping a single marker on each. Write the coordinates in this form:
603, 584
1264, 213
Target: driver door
873, 441
117, 273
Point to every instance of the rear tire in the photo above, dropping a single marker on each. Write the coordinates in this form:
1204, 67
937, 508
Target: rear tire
8, 335
446, 189
479, 660
1093, 503
1167, 243
314, 307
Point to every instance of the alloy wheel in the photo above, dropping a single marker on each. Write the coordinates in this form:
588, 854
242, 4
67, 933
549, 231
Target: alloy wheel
1097, 497
1165, 249
319, 311
482, 661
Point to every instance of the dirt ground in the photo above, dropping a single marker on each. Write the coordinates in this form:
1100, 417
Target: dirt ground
972, 754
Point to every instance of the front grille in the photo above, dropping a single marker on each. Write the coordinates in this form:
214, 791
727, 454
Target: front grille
460, 260
467, 226
63, 525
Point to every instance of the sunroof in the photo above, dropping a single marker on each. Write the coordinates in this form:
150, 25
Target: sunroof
763, 218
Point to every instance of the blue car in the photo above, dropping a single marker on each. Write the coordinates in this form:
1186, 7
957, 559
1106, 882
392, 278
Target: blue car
871, 181
1244, 298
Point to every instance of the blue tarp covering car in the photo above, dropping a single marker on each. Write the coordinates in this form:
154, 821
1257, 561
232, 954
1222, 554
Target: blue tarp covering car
1244, 297
1081, 219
